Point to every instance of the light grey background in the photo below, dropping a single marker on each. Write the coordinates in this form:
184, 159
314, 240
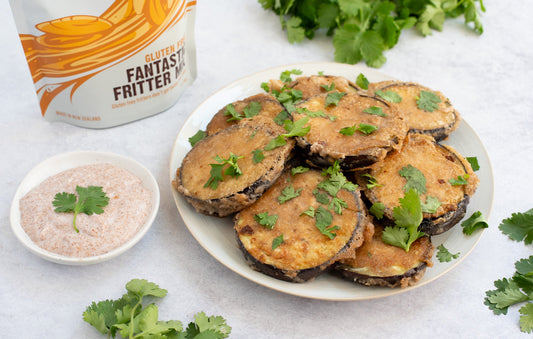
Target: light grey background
487, 77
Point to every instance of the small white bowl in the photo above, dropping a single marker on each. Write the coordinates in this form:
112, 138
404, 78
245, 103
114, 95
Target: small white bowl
65, 161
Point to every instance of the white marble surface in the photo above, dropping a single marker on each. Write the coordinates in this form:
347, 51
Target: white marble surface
488, 78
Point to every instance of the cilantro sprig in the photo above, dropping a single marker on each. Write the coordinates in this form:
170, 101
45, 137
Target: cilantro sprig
91, 199
363, 30
217, 170
130, 319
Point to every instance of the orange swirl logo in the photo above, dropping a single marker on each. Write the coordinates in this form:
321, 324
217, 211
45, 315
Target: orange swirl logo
80, 46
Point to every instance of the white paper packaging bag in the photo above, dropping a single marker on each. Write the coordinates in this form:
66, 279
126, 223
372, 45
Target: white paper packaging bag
102, 63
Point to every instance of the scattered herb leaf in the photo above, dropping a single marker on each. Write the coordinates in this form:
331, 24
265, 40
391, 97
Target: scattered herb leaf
217, 170
444, 255
288, 193
474, 163
257, 156
365, 129
519, 227
197, 137
266, 220
334, 98
375, 111
415, 179
474, 222
378, 210
277, 241
461, 180
91, 199
362, 81
389, 96
299, 169
428, 101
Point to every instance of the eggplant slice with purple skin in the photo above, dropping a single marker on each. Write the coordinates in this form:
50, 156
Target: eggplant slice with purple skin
424, 110
378, 264
293, 248
325, 143
256, 109
449, 179
232, 193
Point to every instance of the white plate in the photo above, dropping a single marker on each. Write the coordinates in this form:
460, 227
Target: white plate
217, 237
63, 162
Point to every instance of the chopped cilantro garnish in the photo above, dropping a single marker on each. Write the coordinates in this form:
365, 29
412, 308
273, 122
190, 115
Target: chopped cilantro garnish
389, 96
299, 169
431, 205
461, 180
285, 76
266, 220
277, 241
217, 170
444, 255
366, 129
333, 98
329, 88
281, 117
294, 129
378, 210
407, 218
323, 222
474, 222
473, 162
371, 181
197, 137
415, 179
428, 101
315, 114
257, 156
375, 111
362, 81
288, 193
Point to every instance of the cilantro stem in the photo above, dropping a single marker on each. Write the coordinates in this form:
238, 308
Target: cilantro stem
74, 222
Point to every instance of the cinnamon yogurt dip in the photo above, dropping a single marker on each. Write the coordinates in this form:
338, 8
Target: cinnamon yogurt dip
128, 209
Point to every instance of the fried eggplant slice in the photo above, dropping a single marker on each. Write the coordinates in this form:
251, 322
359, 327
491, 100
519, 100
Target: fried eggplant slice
326, 142
424, 110
260, 109
305, 237
209, 182
320, 84
379, 264
447, 181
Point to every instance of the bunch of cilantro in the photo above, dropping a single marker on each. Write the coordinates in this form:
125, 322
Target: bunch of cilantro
131, 319
364, 29
519, 288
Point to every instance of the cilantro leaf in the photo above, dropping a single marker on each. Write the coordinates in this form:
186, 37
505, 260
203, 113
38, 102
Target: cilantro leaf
281, 117
257, 156
285, 76
444, 255
197, 137
329, 88
294, 129
362, 81
232, 112
299, 169
252, 109
295, 33
389, 96
323, 222
431, 205
90, 200
375, 111
264, 219
334, 98
213, 324
428, 101
277, 241
526, 318
407, 218
288, 193
217, 170
371, 181
415, 179
365, 129
378, 210
519, 227
473, 162
474, 222
461, 180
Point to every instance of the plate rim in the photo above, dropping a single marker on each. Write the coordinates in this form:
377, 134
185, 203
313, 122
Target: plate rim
252, 276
